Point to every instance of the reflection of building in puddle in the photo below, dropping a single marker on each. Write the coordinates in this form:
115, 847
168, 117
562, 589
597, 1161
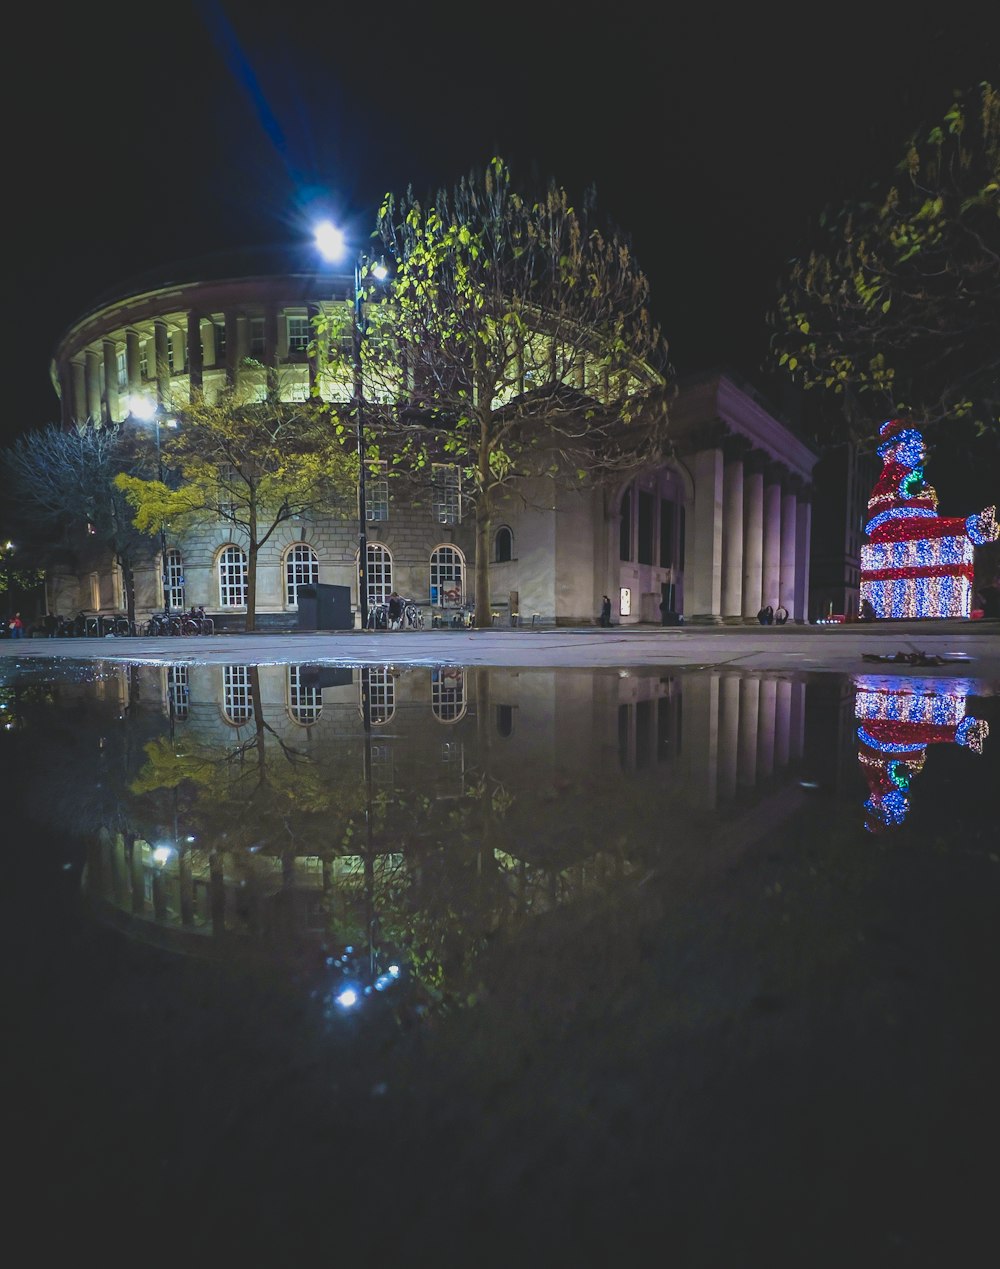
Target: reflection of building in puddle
898, 718
249, 817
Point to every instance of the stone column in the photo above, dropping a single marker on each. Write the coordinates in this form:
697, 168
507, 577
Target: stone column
133, 358
797, 721
789, 532
746, 759
161, 343
701, 738
770, 579
79, 374
803, 526
765, 728
92, 375
782, 720
753, 536
703, 593
112, 413
232, 345
195, 355
65, 393
734, 451
729, 724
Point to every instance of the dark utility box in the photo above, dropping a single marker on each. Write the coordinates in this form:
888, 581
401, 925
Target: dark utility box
673, 619
323, 607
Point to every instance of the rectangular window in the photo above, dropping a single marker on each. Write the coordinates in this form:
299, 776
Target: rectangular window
645, 536
95, 591
144, 359
625, 527
299, 334
257, 338
447, 494
666, 533
227, 483
122, 371
220, 342
681, 542
377, 493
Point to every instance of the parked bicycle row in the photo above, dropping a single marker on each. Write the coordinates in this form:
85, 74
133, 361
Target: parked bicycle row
84, 625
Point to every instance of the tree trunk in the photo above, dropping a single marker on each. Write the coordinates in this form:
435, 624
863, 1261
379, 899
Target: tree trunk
252, 548
483, 616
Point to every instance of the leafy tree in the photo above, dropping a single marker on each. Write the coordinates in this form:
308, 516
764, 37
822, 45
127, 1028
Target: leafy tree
252, 463
514, 341
62, 484
897, 309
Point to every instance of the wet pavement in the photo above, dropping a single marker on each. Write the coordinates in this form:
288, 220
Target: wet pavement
827, 647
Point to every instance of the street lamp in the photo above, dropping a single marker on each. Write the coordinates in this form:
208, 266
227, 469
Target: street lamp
8, 554
148, 411
331, 244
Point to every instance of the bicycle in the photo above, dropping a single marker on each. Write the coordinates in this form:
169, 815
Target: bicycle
413, 616
378, 617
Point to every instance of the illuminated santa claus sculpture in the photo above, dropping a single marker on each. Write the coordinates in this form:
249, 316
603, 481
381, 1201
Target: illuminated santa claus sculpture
898, 719
915, 562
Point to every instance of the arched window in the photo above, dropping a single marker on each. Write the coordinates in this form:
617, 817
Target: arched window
379, 574
301, 569
447, 577
447, 694
503, 545
178, 691
237, 707
232, 578
173, 581
305, 700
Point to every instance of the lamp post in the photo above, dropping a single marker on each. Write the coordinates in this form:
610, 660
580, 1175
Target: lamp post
330, 242
149, 412
8, 554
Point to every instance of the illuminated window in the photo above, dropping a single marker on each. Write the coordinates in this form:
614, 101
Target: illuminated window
95, 590
173, 578
237, 707
144, 359
257, 338
178, 691
503, 545
447, 494
301, 569
379, 574
377, 494
232, 578
447, 577
299, 334
305, 702
122, 371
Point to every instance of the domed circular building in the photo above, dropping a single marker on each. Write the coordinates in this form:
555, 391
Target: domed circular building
713, 533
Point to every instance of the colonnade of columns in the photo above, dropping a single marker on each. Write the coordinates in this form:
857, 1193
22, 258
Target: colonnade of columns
752, 527
740, 730
90, 384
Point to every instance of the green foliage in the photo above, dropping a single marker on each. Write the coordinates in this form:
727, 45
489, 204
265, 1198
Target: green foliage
252, 463
513, 340
897, 308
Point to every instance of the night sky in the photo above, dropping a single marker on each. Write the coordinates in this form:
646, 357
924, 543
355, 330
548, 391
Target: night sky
150, 134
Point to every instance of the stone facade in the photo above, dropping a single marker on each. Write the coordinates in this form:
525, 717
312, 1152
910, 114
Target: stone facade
717, 531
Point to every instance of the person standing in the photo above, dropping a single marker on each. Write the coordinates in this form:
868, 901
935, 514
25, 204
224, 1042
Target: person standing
395, 612
606, 611
16, 626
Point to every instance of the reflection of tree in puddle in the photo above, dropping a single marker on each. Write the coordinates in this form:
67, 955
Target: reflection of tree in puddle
347, 822
898, 718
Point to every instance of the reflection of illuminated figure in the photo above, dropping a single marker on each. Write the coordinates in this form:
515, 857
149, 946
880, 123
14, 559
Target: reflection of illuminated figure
916, 563
899, 718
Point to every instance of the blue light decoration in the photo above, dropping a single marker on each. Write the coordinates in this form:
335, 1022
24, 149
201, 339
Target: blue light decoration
898, 718
916, 563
